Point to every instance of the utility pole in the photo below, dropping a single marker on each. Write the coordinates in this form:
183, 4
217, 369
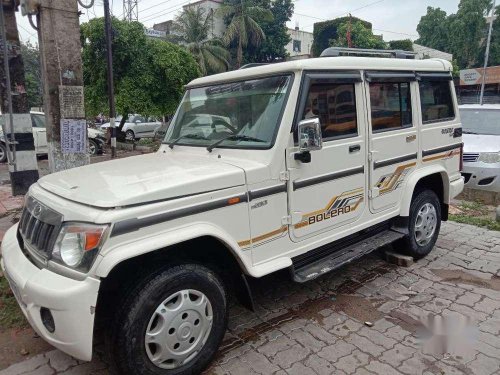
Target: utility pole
62, 74
111, 85
23, 168
487, 55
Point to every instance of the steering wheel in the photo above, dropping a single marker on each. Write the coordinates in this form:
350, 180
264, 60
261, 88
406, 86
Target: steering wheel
231, 128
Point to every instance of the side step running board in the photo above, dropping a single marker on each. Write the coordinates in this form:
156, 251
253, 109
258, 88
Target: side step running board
346, 255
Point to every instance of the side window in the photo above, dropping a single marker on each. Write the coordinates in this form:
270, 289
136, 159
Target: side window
390, 106
436, 101
335, 105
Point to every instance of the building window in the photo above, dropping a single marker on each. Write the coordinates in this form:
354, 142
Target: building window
297, 46
390, 106
436, 101
335, 106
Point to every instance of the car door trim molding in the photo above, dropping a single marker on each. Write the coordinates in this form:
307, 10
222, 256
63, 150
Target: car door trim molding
130, 225
441, 149
260, 193
328, 177
400, 159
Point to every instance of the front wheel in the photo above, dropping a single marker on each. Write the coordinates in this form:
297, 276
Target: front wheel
3, 153
129, 136
424, 225
172, 323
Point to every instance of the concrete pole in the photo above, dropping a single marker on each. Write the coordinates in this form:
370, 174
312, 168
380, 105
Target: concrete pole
487, 55
111, 83
23, 168
62, 75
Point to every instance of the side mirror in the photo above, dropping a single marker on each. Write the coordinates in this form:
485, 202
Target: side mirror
310, 139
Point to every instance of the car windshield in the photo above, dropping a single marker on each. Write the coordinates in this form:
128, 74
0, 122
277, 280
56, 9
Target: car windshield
250, 109
481, 121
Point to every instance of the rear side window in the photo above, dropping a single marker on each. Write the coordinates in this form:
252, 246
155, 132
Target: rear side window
436, 101
335, 105
390, 106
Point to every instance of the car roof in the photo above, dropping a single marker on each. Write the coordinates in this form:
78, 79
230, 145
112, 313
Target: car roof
479, 106
326, 63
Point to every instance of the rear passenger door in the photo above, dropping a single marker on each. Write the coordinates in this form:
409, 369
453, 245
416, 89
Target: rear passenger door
329, 192
393, 148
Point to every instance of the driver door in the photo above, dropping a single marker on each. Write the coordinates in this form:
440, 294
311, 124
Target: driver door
329, 191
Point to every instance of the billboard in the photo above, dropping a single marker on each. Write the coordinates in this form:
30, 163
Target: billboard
475, 76
155, 33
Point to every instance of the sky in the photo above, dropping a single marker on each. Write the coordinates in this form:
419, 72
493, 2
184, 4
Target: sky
394, 19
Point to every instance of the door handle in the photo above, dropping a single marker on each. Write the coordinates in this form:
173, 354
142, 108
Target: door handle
354, 148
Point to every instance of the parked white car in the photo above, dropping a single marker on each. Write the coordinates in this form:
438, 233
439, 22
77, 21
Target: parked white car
481, 135
153, 257
136, 127
96, 138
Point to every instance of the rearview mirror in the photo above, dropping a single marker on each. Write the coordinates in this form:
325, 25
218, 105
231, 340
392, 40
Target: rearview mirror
309, 134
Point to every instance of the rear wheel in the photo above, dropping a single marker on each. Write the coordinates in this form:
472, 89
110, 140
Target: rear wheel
172, 323
93, 148
3, 153
424, 225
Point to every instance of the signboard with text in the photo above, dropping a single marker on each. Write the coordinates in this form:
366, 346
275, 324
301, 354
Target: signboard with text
155, 33
475, 76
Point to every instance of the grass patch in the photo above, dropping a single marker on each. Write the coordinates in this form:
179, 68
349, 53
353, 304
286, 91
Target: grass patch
477, 221
11, 315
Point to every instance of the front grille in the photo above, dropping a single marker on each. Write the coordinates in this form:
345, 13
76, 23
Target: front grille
38, 227
470, 157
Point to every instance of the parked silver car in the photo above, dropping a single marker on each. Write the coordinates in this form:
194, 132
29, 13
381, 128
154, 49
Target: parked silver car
137, 127
481, 128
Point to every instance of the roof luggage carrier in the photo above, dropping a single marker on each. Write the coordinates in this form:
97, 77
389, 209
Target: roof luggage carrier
362, 52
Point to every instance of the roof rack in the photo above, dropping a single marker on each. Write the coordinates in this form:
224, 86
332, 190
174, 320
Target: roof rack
253, 65
341, 51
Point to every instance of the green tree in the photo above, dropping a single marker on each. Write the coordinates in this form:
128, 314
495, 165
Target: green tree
193, 27
149, 73
243, 29
433, 30
361, 37
33, 74
405, 44
273, 48
495, 40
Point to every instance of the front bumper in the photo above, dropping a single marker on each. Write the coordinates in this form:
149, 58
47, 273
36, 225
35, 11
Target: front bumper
482, 176
72, 303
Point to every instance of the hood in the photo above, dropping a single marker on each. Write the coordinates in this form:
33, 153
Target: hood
93, 133
142, 179
481, 143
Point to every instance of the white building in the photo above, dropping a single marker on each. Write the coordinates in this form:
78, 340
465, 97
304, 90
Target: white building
426, 53
210, 8
300, 44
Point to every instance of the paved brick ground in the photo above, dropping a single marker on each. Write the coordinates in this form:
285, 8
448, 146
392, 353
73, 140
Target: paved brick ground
319, 327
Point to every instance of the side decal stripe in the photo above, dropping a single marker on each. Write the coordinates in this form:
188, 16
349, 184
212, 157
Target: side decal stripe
441, 149
329, 177
387, 162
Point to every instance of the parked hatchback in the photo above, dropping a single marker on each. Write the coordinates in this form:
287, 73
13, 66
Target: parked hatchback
137, 127
481, 128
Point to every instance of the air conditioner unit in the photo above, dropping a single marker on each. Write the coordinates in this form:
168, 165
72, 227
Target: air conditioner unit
30, 7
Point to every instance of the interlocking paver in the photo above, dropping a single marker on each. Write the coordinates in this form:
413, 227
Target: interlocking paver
304, 329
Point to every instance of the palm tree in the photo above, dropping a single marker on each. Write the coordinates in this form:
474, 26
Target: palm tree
193, 28
243, 28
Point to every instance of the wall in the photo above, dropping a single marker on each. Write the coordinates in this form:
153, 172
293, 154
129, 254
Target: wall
304, 38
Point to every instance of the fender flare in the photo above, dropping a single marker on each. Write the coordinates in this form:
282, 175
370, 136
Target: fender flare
121, 252
415, 178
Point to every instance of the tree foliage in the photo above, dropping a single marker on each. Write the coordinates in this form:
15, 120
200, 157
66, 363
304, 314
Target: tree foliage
275, 30
33, 74
325, 32
361, 36
243, 30
462, 34
193, 27
404, 44
149, 74
495, 40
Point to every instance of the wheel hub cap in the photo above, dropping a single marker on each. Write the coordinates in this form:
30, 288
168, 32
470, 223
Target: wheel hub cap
178, 329
425, 224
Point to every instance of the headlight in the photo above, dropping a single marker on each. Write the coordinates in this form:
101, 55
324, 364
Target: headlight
489, 157
77, 245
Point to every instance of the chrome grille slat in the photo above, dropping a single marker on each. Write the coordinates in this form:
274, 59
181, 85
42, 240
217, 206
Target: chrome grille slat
37, 228
470, 157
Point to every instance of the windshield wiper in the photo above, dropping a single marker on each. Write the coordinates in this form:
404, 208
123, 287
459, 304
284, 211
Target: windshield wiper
190, 136
236, 137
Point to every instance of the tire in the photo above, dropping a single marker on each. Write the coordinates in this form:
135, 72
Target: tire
93, 147
3, 153
130, 136
424, 225
146, 309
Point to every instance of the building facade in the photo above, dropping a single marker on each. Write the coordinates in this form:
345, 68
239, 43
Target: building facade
300, 44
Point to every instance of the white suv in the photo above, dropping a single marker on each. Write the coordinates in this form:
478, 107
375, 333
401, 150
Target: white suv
156, 254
